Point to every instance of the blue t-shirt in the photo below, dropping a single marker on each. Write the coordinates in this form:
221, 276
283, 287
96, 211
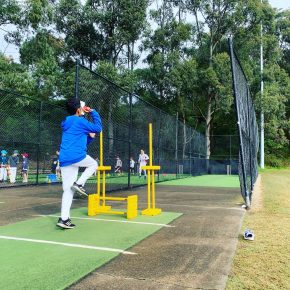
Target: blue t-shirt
75, 137
13, 161
3, 160
25, 164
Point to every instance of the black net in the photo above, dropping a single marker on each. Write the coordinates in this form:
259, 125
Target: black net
177, 148
248, 129
34, 127
28, 126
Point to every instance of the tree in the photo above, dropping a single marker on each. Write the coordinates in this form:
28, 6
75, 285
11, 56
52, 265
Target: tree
166, 47
276, 79
9, 12
282, 21
220, 18
15, 76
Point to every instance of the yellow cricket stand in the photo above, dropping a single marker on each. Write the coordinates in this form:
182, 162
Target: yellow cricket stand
151, 210
97, 202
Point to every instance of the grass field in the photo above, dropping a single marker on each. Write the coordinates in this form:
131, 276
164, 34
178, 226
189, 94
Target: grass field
207, 180
264, 262
229, 181
112, 178
39, 263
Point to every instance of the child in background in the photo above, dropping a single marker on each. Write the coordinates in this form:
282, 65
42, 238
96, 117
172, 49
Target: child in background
3, 166
132, 166
57, 169
25, 164
118, 166
13, 163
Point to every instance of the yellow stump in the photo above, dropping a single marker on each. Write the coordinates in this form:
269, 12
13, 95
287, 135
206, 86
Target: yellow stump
132, 206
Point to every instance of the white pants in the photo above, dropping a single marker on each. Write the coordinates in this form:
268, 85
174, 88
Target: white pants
3, 174
69, 176
13, 171
140, 169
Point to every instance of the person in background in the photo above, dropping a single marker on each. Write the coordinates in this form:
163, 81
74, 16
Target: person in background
3, 166
13, 163
132, 166
25, 165
118, 166
143, 158
54, 164
57, 170
98, 160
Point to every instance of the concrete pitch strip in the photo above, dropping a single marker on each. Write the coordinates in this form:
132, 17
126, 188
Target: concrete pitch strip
194, 252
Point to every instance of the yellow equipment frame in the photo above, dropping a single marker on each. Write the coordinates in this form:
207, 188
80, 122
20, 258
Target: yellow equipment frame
151, 210
97, 202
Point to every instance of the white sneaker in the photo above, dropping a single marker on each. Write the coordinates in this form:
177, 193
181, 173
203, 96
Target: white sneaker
249, 235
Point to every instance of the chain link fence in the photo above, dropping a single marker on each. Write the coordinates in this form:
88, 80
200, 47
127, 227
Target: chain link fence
248, 129
125, 118
28, 126
34, 127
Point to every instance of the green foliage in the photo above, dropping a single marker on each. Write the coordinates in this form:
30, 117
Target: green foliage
38, 12
9, 12
15, 76
185, 66
273, 161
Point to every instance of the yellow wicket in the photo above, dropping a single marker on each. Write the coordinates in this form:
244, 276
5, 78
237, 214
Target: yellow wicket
151, 210
97, 202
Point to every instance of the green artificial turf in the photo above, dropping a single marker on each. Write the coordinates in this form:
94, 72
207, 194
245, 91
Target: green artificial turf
110, 179
28, 265
207, 180
134, 179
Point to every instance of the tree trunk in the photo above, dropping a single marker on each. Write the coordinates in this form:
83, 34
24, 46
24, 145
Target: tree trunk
184, 138
209, 105
132, 56
128, 55
207, 129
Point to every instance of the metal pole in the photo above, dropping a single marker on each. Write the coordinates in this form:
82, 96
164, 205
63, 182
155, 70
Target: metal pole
158, 141
130, 139
262, 154
176, 143
190, 149
230, 154
39, 140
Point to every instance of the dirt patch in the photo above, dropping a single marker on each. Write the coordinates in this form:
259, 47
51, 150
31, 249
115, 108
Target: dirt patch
257, 197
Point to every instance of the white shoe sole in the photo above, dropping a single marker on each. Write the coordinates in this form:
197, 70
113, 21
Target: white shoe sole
77, 190
64, 226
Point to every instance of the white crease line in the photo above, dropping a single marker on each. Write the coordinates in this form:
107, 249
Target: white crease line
2, 201
116, 221
68, 245
197, 206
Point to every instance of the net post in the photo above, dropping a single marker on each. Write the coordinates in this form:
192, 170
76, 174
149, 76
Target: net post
77, 79
130, 139
38, 143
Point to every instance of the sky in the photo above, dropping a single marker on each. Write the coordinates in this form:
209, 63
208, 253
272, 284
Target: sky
12, 50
